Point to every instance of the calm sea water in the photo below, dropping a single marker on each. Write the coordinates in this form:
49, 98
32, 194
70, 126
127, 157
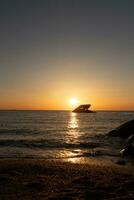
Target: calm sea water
61, 135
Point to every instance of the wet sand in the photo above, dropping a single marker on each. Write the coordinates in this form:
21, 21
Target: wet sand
41, 179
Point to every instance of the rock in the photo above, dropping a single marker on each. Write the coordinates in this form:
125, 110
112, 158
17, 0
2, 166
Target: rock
124, 131
128, 150
121, 162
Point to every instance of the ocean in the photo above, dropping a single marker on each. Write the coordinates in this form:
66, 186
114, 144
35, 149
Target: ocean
74, 137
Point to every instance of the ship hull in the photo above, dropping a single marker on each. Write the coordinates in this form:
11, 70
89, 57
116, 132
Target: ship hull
83, 109
87, 111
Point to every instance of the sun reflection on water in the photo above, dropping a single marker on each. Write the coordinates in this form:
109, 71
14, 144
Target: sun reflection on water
72, 138
73, 123
72, 135
73, 156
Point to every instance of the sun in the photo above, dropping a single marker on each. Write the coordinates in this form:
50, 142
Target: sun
73, 102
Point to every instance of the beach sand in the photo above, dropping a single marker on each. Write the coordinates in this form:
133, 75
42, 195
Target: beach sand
41, 179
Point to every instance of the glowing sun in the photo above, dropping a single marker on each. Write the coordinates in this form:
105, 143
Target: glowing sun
73, 102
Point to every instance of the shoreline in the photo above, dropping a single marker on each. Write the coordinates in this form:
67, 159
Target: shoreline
48, 179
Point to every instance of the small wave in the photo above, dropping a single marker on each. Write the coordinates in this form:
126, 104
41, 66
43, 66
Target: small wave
17, 132
99, 153
46, 144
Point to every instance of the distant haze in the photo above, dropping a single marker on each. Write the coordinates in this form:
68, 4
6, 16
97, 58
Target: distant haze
54, 50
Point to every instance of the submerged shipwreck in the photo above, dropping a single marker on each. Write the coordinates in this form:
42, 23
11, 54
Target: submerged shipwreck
83, 109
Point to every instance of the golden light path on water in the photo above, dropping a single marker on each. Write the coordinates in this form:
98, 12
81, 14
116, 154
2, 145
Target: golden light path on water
73, 122
77, 155
72, 136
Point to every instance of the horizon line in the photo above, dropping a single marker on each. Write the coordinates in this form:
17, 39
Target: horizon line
106, 110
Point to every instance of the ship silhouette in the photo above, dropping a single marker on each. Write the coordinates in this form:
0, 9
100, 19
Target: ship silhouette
83, 109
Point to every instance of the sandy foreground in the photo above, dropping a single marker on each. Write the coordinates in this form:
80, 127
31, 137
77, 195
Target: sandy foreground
41, 179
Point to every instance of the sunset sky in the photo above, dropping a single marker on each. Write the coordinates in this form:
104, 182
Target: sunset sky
55, 50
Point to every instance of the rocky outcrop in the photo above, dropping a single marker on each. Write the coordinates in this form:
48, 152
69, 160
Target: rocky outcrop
124, 131
128, 150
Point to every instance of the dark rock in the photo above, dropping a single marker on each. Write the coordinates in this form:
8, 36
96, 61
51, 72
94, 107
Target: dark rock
38, 185
124, 131
121, 162
128, 150
129, 185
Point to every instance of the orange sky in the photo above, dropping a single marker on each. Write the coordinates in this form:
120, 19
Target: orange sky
62, 102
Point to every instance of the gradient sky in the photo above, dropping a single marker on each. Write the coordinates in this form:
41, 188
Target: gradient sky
53, 50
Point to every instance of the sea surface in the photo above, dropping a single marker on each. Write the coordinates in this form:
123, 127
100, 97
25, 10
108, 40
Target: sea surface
62, 135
